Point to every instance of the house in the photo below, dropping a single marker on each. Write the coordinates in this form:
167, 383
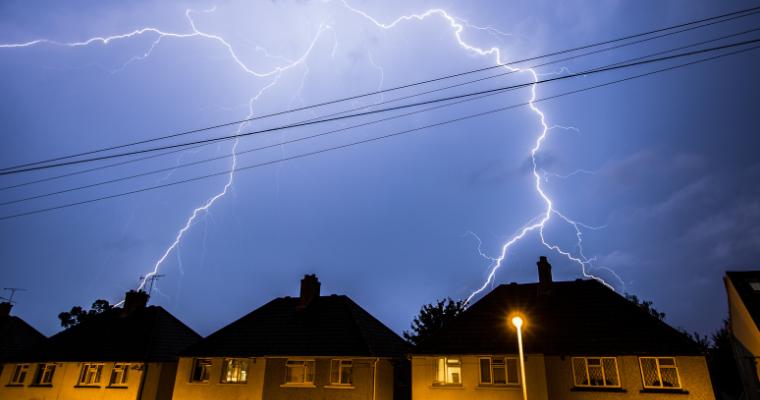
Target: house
124, 353
743, 290
581, 340
15, 335
306, 347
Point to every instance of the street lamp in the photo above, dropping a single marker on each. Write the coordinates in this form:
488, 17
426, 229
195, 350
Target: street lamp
517, 321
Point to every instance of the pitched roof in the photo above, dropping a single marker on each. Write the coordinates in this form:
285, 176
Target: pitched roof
15, 336
329, 325
742, 281
146, 334
581, 317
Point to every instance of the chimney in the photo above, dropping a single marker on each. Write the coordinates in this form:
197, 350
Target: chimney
309, 290
544, 275
134, 300
5, 309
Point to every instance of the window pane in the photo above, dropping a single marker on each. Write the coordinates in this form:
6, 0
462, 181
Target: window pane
334, 371
345, 373
201, 370
667, 361
309, 365
512, 376
595, 375
610, 372
669, 377
485, 370
499, 374
649, 372
579, 370
440, 370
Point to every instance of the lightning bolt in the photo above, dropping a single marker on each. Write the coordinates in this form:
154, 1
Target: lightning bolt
458, 26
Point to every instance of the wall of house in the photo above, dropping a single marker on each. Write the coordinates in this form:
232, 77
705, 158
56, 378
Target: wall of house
184, 389
423, 373
65, 384
362, 376
746, 342
695, 380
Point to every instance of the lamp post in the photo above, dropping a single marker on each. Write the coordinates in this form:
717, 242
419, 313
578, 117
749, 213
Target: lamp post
517, 321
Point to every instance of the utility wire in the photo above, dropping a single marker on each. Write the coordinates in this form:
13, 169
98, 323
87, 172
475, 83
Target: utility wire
382, 110
374, 139
741, 13
47, 179
185, 165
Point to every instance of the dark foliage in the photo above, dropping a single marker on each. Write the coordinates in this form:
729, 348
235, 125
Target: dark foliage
77, 314
432, 317
646, 306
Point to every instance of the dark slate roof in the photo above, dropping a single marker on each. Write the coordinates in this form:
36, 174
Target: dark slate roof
750, 297
581, 317
146, 334
328, 326
15, 336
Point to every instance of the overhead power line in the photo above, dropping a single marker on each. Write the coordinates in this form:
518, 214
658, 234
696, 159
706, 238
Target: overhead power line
729, 16
622, 64
378, 138
606, 49
366, 113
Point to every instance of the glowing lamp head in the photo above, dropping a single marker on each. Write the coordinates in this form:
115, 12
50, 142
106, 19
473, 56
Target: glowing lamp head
517, 321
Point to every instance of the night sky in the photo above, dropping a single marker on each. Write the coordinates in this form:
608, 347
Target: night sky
661, 173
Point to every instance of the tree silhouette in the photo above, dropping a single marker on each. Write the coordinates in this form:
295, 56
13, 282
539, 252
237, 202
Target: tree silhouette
77, 314
432, 317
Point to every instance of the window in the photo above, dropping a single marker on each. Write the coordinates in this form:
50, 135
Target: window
659, 372
340, 372
201, 369
235, 370
299, 372
44, 375
119, 374
596, 371
19, 374
755, 286
499, 371
90, 375
448, 371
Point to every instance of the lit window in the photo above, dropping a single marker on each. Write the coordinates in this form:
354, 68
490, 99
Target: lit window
235, 370
90, 375
499, 371
340, 372
44, 375
659, 372
755, 286
596, 371
448, 371
19, 374
201, 370
119, 375
299, 372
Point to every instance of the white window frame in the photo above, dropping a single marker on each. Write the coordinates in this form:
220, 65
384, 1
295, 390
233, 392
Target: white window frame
447, 375
235, 370
44, 374
601, 366
504, 360
205, 365
19, 374
90, 374
340, 366
119, 375
659, 369
309, 369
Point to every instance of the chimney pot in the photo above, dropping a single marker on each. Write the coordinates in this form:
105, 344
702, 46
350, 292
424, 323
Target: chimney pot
5, 309
135, 300
309, 290
544, 274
